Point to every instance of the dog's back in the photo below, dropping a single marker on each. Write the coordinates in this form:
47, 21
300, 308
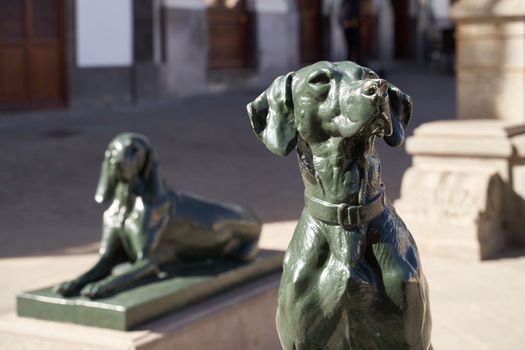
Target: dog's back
202, 229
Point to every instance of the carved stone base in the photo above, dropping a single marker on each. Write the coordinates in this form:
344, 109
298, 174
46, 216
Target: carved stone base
460, 197
180, 287
243, 318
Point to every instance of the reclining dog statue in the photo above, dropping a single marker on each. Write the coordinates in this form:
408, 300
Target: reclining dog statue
352, 276
149, 224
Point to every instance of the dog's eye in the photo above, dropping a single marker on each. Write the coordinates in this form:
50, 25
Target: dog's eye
320, 78
133, 149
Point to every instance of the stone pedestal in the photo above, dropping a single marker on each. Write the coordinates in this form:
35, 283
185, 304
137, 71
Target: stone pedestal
177, 287
458, 198
463, 196
243, 318
490, 59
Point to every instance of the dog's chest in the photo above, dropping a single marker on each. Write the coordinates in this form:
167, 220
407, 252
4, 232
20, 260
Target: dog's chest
337, 179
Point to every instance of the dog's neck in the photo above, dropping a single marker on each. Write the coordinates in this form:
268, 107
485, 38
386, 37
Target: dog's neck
152, 189
341, 170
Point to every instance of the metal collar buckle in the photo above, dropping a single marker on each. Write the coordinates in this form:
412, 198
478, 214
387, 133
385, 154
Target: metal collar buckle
346, 211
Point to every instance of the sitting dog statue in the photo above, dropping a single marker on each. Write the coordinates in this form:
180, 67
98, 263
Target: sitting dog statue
352, 276
149, 225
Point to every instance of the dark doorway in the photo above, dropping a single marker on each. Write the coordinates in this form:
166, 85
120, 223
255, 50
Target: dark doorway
32, 57
402, 28
310, 21
228, 35
366, 19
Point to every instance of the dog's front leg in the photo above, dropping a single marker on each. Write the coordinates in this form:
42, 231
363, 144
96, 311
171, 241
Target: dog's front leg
113, 284
99, 271
111, 254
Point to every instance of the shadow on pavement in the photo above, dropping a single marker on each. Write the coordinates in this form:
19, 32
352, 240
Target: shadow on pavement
51, 160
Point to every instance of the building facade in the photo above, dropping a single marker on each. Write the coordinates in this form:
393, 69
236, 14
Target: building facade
74, 53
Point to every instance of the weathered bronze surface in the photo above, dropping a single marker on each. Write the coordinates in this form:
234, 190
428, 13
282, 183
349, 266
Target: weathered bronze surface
149, 224
352, 276
178, 287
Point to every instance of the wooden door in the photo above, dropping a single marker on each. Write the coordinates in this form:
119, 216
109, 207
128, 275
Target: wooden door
402, 28
31, 54
228, 35
310, 22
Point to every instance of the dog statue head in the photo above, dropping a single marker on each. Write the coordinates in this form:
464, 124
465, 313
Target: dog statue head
326, 100
129, 159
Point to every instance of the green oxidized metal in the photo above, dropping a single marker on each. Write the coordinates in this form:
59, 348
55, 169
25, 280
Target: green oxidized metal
150, 225
352, 276
179, 286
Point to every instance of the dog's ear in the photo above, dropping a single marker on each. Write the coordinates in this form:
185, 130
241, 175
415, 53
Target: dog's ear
152, 181
107, 182
400, 113
272, 118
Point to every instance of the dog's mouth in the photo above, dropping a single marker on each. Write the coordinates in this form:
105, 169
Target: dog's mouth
122, 173
380, 125
383, 125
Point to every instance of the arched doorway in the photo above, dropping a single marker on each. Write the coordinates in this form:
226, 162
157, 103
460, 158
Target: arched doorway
228, 33
32, 56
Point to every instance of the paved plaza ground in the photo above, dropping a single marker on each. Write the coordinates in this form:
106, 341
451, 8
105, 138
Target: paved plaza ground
50, 225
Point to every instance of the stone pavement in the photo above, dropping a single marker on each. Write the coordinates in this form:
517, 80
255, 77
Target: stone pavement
475, 306
51, 160
50, 225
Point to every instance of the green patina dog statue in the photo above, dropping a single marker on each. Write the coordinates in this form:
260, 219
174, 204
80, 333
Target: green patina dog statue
352, 276
150, 225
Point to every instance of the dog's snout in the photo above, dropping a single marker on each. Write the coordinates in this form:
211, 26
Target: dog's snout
115, 162
383, 88
381, 123
370, 88
376, 87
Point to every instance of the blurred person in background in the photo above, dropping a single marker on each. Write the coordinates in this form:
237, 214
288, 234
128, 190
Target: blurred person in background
351, 25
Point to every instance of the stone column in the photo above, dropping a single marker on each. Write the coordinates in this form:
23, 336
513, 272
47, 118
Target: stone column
464, 194
186, 47
491, 59
277, 38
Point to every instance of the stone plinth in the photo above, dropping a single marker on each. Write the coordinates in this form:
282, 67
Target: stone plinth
490, 59
459, 197
464, 194
180, 287
243, 318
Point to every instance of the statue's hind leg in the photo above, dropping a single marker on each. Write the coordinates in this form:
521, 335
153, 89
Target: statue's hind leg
243, 239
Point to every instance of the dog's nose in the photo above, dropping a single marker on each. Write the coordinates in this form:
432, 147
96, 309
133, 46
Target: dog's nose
375, 87
383, 87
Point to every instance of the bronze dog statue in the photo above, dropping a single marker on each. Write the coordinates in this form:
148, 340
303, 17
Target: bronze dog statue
352, 276
149, 225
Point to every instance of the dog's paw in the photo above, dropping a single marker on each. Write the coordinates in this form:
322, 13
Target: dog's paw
67, 289
95, 290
